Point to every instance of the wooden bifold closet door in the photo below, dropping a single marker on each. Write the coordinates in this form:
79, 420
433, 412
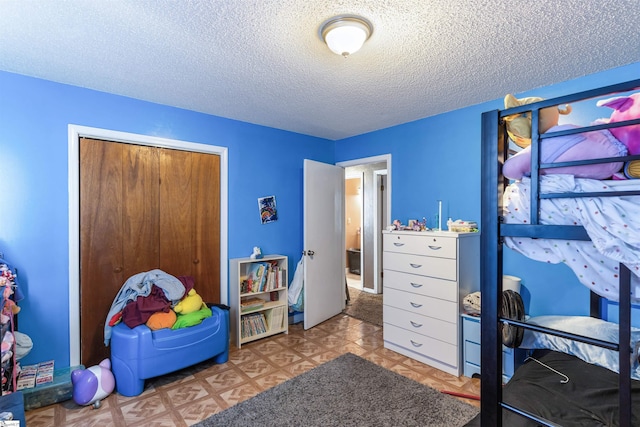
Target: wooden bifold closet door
143, 208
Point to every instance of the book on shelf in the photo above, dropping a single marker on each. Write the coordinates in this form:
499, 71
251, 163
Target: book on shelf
251, 303
253, 324
275, 317
274, 278
256, 276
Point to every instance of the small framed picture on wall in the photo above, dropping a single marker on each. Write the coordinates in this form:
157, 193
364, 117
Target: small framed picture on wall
267, 207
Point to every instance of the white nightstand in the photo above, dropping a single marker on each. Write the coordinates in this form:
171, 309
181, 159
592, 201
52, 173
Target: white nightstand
512, 358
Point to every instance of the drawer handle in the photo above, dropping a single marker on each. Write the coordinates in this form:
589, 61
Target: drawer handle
435, 248
416, 285
414, 305
415, 344
415, 325
415, 265
398, 244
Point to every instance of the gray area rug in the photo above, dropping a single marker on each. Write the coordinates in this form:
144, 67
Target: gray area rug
364, 306
347, 391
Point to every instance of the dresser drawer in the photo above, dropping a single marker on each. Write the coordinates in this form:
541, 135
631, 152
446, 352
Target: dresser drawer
472, 355
423, 325
421, 244
471, 329
442, 268
430, 347
420, 304
423, 285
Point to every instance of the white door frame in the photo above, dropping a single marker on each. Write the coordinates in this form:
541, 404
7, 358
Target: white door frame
377, 258
377, 240
75, 133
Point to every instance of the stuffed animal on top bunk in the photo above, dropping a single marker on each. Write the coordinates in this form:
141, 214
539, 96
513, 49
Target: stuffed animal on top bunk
614, 142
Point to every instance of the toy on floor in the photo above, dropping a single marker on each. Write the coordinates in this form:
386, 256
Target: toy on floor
93, 384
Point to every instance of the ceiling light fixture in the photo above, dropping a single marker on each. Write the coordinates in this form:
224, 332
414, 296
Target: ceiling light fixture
346, 34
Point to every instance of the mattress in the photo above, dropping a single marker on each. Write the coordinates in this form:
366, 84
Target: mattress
613, 224
588, 398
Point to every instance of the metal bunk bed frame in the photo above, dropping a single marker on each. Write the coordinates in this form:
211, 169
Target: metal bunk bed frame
494, 153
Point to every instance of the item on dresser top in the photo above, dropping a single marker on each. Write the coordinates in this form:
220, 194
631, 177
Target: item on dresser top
461, 226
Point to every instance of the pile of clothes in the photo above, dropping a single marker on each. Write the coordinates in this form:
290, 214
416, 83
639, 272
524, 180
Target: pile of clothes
158, 300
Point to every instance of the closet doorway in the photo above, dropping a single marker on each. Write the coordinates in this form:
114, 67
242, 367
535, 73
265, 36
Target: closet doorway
160, 204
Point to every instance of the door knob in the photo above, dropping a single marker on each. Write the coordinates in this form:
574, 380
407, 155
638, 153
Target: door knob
310, 253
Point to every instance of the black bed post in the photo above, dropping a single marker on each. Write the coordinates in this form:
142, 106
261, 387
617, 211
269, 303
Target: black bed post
624, 341
490, 270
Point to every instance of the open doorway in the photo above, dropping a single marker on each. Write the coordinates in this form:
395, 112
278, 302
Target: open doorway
367, 206
353, 203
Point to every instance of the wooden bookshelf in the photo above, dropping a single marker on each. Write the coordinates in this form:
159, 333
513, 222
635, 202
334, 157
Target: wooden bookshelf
258, 298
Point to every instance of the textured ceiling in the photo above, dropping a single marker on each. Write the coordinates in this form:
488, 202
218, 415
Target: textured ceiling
262, 61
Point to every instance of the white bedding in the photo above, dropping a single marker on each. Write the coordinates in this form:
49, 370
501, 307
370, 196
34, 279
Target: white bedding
613, 223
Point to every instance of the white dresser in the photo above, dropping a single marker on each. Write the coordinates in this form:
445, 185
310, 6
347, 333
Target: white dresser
426, 276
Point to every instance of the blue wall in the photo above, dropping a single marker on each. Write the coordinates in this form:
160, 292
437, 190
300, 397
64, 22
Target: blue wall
34, 231
436, 158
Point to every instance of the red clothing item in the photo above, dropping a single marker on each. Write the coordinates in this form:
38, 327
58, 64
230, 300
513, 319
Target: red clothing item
188, 283
138, 311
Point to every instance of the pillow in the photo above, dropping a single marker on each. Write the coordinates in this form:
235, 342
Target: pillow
586, 326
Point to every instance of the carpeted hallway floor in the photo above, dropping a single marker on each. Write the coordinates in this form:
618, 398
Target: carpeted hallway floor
364, 306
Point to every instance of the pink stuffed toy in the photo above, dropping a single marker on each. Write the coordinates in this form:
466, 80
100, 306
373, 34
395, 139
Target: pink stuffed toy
626, 108
615, 142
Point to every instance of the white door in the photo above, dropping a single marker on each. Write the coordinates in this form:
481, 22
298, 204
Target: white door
324, 260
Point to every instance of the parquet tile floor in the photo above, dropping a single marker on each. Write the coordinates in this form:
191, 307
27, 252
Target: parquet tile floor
185, 397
